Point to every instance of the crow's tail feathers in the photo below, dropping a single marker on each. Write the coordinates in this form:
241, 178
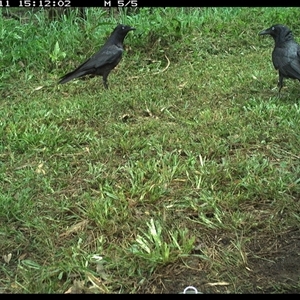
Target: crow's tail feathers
75, 74
66, 78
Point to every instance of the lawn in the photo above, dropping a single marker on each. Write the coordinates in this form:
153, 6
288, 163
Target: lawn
185, 172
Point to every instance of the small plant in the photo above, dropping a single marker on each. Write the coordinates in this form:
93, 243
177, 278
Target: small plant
158, 246
56, 55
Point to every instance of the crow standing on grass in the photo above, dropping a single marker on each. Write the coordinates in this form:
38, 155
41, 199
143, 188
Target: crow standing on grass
107, 58
286, 53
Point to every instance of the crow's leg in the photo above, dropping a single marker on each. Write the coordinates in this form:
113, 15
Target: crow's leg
105, 81
280, 83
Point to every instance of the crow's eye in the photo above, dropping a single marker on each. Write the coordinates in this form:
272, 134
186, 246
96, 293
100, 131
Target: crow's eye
273, 28
123, 27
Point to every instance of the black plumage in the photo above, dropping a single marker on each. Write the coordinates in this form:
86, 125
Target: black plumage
286, 53
107, 58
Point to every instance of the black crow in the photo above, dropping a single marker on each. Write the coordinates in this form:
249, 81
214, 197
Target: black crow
107, 58
286, 53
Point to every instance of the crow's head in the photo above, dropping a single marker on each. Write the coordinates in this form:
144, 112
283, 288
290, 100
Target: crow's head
118, 35
124, 28
278, 32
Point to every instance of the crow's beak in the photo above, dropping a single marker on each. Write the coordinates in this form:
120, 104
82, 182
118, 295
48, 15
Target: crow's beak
264, 32
132, 28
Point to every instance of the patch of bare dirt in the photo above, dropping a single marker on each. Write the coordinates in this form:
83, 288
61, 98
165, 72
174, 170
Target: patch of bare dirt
273, 267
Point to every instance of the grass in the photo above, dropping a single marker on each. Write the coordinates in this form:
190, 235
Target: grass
189, 149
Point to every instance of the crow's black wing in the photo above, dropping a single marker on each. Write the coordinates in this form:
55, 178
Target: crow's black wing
106, 58
287, 60
108, 55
